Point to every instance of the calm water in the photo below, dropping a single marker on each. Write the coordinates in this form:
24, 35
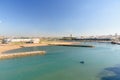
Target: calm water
63, 63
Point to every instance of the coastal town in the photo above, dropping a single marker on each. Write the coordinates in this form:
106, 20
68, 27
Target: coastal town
9, 43
59, 40
36, 40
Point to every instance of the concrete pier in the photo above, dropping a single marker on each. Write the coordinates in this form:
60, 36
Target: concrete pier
22, 54
78, 45
72, 45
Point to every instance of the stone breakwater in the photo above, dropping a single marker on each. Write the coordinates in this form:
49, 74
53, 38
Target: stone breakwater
72, 45
22, 54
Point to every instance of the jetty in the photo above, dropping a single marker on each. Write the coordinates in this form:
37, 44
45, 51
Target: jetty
21, 54
115, 42
73, 45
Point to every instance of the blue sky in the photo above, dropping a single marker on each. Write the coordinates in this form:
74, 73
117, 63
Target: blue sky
59, 17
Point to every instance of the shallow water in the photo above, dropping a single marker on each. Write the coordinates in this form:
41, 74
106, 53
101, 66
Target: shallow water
63, 63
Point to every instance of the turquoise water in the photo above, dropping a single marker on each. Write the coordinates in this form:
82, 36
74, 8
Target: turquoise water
63, 63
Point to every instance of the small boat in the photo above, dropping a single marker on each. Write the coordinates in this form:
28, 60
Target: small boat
82, 62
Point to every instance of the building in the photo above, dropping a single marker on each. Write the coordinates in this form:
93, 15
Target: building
1, 39
31, 40
36, 40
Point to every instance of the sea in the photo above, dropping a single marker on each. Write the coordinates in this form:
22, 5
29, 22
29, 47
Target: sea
101, 62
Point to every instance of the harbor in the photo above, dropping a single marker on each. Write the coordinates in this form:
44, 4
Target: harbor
59, 40
69, 62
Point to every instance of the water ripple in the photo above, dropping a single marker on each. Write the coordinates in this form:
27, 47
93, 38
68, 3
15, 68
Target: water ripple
111, 73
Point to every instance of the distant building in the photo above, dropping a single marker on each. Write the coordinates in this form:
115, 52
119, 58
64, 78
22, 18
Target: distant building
1, 39
34, 40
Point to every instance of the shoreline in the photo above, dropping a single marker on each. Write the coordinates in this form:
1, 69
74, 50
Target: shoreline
22, 54
7, 47
72, 45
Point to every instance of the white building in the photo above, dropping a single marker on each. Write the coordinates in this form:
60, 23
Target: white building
34, 40
0, 41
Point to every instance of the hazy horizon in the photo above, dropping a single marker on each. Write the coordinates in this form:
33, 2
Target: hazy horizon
59, 17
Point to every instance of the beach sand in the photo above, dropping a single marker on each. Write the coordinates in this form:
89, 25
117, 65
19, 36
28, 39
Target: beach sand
6, 47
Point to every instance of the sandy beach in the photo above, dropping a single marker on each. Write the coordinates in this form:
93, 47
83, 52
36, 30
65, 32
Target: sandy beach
6, 47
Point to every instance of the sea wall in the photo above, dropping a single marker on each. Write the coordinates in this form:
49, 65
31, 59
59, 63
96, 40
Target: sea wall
72, 45
22, 54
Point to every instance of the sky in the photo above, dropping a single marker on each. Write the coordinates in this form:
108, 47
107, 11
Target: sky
59, 17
